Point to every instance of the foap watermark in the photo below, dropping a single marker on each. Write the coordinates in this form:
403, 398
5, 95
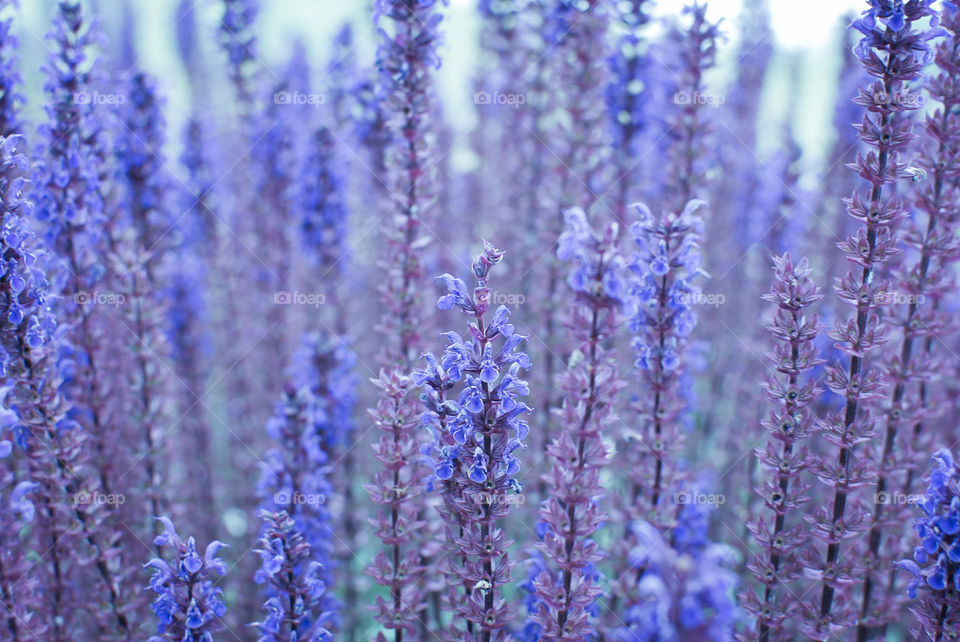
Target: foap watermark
297, 498
84, 498
697, 498
284, 297
892, 297
897, 499
97, 99
499, 98
701, 298
499, 499
903, 98
696, 98
116, 299
511, 299
299, 98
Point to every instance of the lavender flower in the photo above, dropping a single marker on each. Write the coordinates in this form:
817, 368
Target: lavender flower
188, 605
665, 271
25, 326
475, 439
53, 445
893, 52
571, 514
792, 390
295, 585
70, 206
576, 172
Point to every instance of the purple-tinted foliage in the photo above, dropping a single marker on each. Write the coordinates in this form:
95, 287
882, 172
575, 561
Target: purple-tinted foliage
791, 390
407, 57
893, 50
571, 514
922, 284
141, 251
687, 149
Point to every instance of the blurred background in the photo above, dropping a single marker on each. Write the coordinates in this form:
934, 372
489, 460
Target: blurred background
802, 72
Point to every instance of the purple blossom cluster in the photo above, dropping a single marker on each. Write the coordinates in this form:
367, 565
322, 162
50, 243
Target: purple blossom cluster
588, 438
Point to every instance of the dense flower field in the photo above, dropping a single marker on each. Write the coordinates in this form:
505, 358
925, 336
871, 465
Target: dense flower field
627, 375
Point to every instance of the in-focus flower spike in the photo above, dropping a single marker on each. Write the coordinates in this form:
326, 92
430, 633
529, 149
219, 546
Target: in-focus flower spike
923, 284
663, 284
685, 588
70, 207
189, 605
26, 327
792, 390
893, 49
935, 563
407, 58
295, 585
475, 428
567, 589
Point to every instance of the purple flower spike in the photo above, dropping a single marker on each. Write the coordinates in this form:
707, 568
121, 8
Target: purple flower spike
568, 587
472, 441
188, 606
